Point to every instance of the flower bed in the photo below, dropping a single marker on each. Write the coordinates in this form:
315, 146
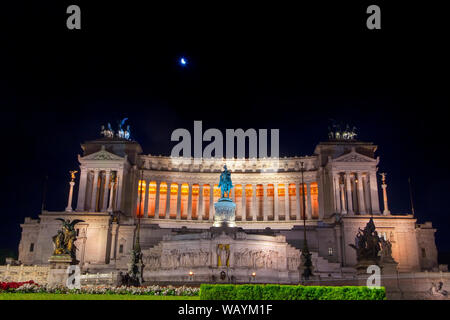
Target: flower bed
31, 287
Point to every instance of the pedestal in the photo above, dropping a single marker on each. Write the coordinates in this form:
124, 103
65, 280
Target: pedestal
361, 266
58, 275
224, 215
389, 267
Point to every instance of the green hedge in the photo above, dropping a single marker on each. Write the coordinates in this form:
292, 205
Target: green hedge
288, 292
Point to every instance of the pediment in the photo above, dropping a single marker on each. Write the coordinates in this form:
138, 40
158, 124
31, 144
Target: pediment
102, 155
354, 156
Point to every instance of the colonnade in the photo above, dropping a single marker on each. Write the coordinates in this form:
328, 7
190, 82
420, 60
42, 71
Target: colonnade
254, 202
355, 192
101, 190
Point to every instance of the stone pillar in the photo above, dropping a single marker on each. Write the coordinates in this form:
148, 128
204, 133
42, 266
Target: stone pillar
374, 192
349, 193
337, 193
179, 202
275, 201
168, 200
158, 184
111, 196
146, 197
58, 275
119, 190
385, 199
94, 191
287, 212
367, 194
297, 202
320, 191
254, 204
106, 191
69, 201
82, 190
211, 203
343, 202
265, 206
308, 201
189, 213
114, 227
361, 200
244, 204
200, 202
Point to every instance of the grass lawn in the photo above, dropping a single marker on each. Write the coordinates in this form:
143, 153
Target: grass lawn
56, 296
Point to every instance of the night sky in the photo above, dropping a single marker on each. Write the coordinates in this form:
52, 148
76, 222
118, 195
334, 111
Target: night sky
262, 66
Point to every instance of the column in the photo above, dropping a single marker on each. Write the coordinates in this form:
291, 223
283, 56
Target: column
337, 193
308, 201
119, 190
168, 200
374, 192
265, 206
114, 227
297, 202
321, 194
94, 191
82, 190
361, 200
349, 193
275, 201
200, 202
342, 193
189, 213
146, 196
106, 191
244, 204
179, 202
287, 212
385, 200
111, 196
254, 204
211, 202
158, 183
69, 201
367, 193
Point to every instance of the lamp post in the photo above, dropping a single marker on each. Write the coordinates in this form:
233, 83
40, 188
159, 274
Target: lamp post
306, 255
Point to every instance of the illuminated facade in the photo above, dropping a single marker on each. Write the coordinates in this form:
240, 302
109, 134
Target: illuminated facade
118, 183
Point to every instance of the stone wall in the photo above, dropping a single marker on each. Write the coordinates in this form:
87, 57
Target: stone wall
21, 273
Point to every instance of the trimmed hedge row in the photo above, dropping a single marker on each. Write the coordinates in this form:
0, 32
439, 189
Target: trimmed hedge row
288, 292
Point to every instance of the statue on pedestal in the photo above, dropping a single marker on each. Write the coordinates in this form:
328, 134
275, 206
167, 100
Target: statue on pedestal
64, 240
225, 183
367, 246
225, 208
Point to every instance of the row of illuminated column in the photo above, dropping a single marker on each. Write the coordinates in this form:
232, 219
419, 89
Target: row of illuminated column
356, 193
254, 202
99, 190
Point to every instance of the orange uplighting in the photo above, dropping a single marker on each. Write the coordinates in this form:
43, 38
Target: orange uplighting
206, 189
238, 190
163, 188
270, 189
195, 189
248, 190
185, 189
259, 190
173, 189
281, 191
152, 187
216, 190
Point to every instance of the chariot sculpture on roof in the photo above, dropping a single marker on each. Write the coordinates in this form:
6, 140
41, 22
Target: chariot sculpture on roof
337, 131
121, 132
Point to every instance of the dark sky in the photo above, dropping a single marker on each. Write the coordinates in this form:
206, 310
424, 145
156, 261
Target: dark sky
260, 66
